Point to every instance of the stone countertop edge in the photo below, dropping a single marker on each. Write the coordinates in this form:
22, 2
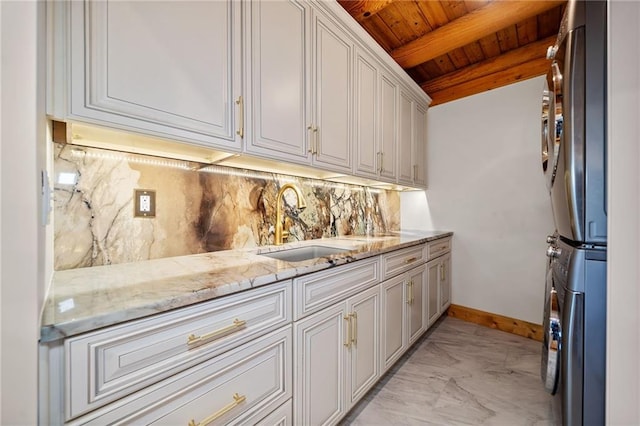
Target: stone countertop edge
86, 299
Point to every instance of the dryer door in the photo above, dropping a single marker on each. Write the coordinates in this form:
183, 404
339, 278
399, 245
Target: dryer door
552, 123
546, 100
552, 341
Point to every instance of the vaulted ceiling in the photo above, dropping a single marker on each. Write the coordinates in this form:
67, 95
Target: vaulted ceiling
456, 48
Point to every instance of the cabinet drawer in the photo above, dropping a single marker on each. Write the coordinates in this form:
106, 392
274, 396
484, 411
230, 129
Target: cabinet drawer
396, 262
438, 247
317, 291
239, 387
282, 416
105, 365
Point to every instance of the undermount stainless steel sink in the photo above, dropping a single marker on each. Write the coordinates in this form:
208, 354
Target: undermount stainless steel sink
304, 253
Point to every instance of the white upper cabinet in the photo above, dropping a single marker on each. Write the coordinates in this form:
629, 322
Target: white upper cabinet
388, 147
290, 80
158, 68
278, 103
333, 76
375, 120
365, 116
300, 78
420, 146
405, 139
412, 141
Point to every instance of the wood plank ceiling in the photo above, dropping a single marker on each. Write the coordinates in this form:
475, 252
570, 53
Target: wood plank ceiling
456, 48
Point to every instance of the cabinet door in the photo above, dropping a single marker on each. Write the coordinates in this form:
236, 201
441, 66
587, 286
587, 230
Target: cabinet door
158, 67
394, 342
278, 107
319, 363
420, 146
433, 289
405, 139
445, 282
365, 116
333, 79
364, 348
388, 128
416, 289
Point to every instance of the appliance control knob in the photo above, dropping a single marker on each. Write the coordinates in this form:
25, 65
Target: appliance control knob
552, 239
553, 252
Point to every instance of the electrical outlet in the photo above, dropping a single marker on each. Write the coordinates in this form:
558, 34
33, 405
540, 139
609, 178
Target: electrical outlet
144, 203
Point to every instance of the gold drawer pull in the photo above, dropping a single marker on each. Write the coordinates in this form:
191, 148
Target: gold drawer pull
354, 326
411, 260
347, 342
193, 339
237, 400
410, 291
240, 103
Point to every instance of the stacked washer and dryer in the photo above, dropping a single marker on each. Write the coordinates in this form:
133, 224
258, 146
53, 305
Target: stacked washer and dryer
574, 164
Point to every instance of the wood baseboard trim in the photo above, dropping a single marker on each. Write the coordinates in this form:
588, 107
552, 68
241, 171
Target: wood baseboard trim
498, 322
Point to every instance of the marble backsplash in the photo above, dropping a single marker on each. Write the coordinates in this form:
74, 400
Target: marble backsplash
199, 208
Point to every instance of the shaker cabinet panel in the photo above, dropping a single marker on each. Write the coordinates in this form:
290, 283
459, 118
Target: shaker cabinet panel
405, 139
319, 363
433, 289
388, 127
364, 350
158, 67
417, 283
420, 147
333, 77
279, 101
365, 116
393, 325
445, 282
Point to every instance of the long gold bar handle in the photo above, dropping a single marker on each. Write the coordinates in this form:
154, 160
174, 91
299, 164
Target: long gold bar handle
310, 150
192, 339
347, 342
411, 260
410, 291
381, 162
415, 171
240, 103
315, 140
354, 325
443, 276
237, 400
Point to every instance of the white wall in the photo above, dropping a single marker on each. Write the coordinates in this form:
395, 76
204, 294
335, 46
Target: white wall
486, 184
623, 289
22, 124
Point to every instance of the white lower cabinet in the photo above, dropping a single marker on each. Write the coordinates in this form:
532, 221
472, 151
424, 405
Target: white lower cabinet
393, 328
238, 387
404, 299
438, 286
445, 282
416, 284
363, 365
299, 352
336, 358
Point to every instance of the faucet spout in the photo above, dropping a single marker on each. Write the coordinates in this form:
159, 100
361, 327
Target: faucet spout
281, 234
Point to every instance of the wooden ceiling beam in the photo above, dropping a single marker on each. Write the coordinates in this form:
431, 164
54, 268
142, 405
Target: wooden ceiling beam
469, 28
517, 56
524, 71
363, 9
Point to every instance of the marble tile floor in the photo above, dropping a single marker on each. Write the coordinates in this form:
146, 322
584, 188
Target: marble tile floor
460, 374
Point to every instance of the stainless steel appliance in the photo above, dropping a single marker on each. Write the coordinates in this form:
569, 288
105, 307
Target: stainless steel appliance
574, 164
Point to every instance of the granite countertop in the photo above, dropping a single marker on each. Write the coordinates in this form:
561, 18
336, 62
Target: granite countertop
86, 299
